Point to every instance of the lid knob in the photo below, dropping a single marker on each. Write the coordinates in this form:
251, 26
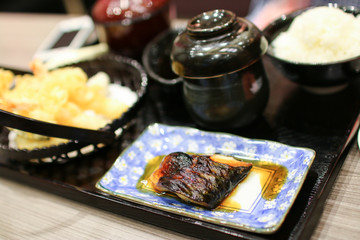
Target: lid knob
212, 22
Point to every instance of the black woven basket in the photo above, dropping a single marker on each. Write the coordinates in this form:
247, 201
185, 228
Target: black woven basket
122, 70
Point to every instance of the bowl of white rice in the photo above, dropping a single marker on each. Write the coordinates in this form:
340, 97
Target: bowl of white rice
317, 47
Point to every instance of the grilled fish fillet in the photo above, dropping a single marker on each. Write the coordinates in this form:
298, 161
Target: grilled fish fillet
204, 180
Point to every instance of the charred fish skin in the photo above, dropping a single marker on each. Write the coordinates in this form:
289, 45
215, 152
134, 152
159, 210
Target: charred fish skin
198, 179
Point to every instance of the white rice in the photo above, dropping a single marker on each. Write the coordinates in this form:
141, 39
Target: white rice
320, 35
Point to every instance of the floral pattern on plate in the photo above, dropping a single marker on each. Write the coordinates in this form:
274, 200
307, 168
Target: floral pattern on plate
252, 212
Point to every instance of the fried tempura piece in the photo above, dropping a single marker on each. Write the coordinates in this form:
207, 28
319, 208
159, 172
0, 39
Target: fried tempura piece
63, 96
6, 78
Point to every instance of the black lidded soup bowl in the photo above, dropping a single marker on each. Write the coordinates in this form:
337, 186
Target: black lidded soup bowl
217, 63
317, 77
219, 57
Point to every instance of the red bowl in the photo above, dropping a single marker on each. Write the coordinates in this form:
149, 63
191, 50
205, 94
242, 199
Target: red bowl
128, 28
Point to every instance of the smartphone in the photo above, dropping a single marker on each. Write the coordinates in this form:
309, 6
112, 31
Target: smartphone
68, 34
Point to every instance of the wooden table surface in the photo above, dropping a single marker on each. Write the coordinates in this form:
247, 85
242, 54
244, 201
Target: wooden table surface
28, 213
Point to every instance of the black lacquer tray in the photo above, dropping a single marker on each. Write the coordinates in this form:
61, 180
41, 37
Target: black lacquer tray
293, 116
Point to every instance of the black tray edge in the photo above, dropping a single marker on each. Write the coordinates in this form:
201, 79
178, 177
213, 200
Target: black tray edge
182, 225
159, 218
318, 208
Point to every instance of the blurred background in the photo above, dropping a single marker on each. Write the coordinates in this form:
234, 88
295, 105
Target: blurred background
185, 8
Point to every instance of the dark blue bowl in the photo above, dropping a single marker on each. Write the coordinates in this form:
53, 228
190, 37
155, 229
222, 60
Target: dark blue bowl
156, 58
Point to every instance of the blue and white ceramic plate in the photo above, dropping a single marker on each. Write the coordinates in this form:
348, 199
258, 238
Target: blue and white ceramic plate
258, 204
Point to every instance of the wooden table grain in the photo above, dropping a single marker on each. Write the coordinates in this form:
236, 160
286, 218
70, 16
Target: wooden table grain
29, 213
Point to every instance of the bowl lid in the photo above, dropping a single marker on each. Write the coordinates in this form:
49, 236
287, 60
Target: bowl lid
215, 43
